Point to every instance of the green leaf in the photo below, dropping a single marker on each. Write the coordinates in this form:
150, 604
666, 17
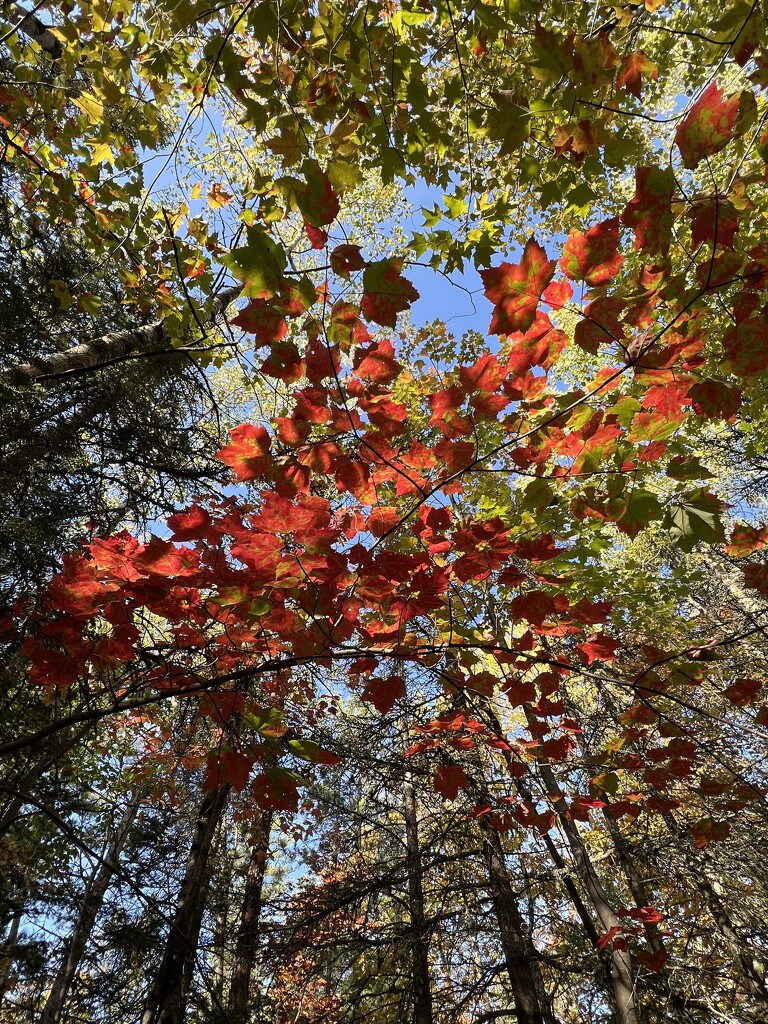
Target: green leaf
308, 750
697, 518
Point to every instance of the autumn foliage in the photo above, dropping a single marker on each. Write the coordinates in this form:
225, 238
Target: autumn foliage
531, 560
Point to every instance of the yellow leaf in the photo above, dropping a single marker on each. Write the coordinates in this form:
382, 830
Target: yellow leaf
217, 197
89, 105
196, 191
102, 152
62, 293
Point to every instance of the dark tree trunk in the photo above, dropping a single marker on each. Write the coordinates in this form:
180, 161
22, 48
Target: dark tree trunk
528, 992
421, 989
168, 992
248, 933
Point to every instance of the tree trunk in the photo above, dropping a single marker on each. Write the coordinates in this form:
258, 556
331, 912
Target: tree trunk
528, 992
115, 345
248, 933
751, 966
20, 788
35, 29
529, 995
167, 996
622, 968
421, 989
93, 899
7, 949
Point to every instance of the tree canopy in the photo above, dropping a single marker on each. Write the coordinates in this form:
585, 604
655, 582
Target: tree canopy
357, 669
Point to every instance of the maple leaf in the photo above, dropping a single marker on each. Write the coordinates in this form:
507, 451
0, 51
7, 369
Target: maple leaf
217, 197
377, 362
509, 122
709, 126
308, 750
163, 558
576, 139
261, 318
746, 352
248, 456
449, 779
534, 606
715, 398
383, 693
346, 258
515, 289
540, 345
598, 647
276, 790
756, 578
317, 201
226, 768
633, 68
191, 524
611, 937
653, 961
649, 212
714, 223
743, 692
594, 256
317, 237
386, 292
745, 539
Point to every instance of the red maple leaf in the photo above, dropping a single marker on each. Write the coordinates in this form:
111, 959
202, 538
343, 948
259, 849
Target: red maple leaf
318, 201
189, 525
598, 647
276, 790
633, 68
746, 352
649, 212
515, 289
653, 961
163, 558
756, 578
227, 768
743, 692
716, 399
383, 693
317, 237
709, 126
248, 456
714, 223
377, 362
594, 256
745, 539
262, 319
386, 292
346, 258
449, 779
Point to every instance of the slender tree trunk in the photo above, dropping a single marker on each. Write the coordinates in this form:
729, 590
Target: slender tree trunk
19, 789
752, 967
529, 995
93, 898
528, 992
622, 981
622, 968
7, 948
248, 934
167, 996
421, 988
